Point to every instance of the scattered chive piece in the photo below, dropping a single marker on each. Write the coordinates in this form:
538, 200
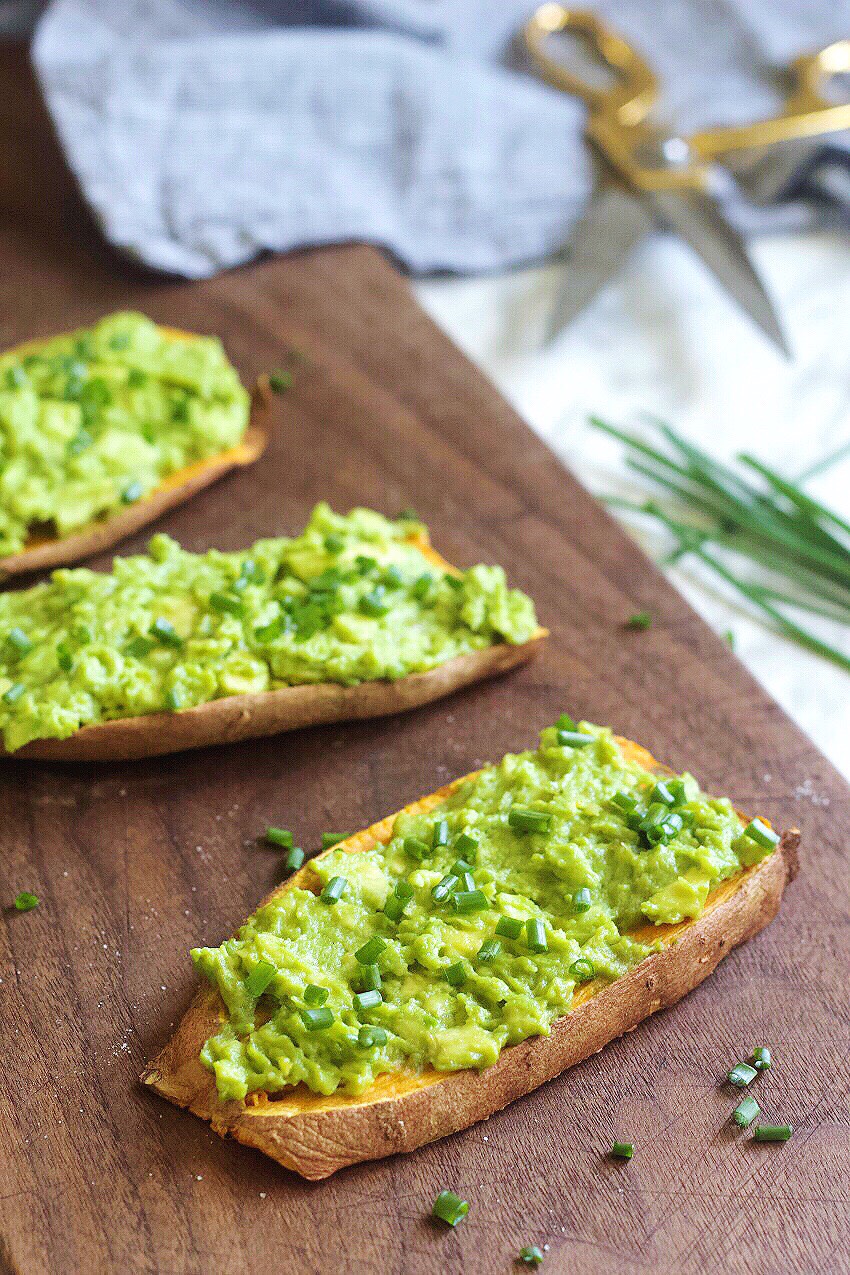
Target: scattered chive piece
332, 839
174, 699
165, 632
470, 901
19, 640
488, 951
535, 935
761, 1058
582, 900
368, 999
370, 979
510, 927
371, 950
316, 1020
761, 834
139, 647
131, 493
622, 1150
440, 835
334, 544
531, 1255
14, 693
408, 514
25, 902
746, 1112
259, 978
456, 974
373, 604
466, 846
565, 722
333, 890
679, 789
729, 639
394, 908
226, 605
640, 620
661, 792
370, 1037
416, 848
280, 837
773, 1132
583, 969
741, 1075
444, 887
421, 587
403, 890
624, 801
574, 739
315, 995
64, 658
460, 868
449, 1208
280, 380
522, 819
294, 859
393, 578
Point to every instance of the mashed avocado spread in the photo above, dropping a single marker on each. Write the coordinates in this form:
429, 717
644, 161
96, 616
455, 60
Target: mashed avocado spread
95, 419
351, 599
472, 928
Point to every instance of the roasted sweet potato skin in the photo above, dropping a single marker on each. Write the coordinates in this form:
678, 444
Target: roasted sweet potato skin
316, 1135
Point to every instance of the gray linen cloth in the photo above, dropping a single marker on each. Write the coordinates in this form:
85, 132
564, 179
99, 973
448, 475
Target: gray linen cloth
203, 132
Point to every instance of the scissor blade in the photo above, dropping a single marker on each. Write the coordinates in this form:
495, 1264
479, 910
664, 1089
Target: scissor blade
604, 237
696, 217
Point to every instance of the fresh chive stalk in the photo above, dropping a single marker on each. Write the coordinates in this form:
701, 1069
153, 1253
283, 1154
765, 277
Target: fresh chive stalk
449, 1208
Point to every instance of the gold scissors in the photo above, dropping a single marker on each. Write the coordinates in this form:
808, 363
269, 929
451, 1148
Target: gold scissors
652, 175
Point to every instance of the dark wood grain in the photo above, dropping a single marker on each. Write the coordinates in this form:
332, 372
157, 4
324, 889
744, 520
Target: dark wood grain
137, 862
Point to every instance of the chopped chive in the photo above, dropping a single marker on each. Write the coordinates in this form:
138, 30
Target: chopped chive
449, 1208
531, 1255
488, 951
64, 658
25, 902
574, 739
403, 890
679, 790
408, 514
333, 890
14, 693
510, 927
416, 848
294, 859
624, 801
773, 1132
333, 839
132, 492
174, 699
522, 819
226, 605
456, 974
460, 868
271, 631
365, 564
370, 978
334, 544
280, 380
761, 1058
535, 935
662, 793
136, 378
371, 1037
565, 722
315, 995
582, 900
761, 834
393, 578
316, 1020
80, 442
422, 586
259, 978
464, 901
373, 604
444, 887
164, 631
622, 1150
139, 647
280, 837
639, 621
368, 999
19, 640
371, 950
582, 969
394, 908
729, 639
466, 846
741, 1075
440, 834
746, 1112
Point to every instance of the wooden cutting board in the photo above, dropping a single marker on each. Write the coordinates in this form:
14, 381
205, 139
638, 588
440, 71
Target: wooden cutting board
136, 862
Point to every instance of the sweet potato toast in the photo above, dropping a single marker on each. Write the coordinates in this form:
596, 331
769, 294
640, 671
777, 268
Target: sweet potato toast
316, 1135
43, 552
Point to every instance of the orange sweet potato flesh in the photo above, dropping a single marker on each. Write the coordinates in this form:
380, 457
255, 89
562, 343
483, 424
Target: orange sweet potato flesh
315, 1135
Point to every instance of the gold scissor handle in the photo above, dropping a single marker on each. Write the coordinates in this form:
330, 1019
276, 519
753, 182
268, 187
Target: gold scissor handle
808, 112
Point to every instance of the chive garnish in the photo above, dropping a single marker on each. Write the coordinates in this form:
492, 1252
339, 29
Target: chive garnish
679, 790
582, 969
510, 927
574, 739
225, 605
746, 1112
131, 493
488, 951
582, 900
316, 1019
449, 1208
622, 1150
461, 868
64, 658
624, 801
333, 890
456, 974
315, 995
393, 578
535, 935
464, 901
773, 1132
139, 647
25, 901
443, 888
466, 846
368, 999
416, 848
761, 1059
394, 908
370, 978
371, 1037
565, 722
164, 631
294, 859
662, 793
259, 978
741, 1075
280, 380
522, 819
333, 839
639, 621
531, 1255
440, 834
280, 837
761, 834
421, 586
371, 950
19, 640
14, 693
374, 604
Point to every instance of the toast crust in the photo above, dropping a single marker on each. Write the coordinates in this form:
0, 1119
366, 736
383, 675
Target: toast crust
315, 1135
237, 717
45, 552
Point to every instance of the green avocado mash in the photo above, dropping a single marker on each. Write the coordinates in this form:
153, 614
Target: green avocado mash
97, 418
349, 600
471, 929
